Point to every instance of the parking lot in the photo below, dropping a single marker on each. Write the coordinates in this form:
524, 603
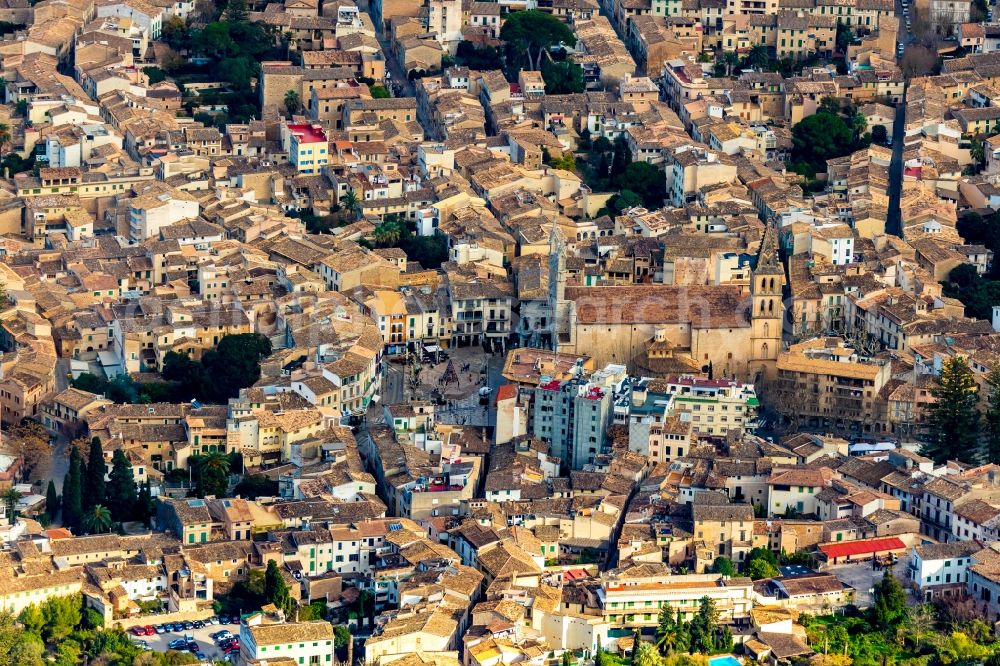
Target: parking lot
862, 577
159, 642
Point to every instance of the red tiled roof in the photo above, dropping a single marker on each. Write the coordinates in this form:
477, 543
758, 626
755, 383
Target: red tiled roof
506, 392
869, 546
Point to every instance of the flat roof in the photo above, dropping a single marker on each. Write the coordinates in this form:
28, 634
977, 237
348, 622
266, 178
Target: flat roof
307, 133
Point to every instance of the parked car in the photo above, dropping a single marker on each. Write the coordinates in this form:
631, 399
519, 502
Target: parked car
222, 636
198, 624
161, 628
192, 646
139, 631
177, 644
223, 619
188, 626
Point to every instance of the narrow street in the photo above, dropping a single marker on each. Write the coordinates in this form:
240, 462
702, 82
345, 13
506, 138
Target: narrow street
893, 223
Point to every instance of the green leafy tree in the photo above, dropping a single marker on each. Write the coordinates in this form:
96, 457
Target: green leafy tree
121, 494
562, 78
759, 568
627, 199
880, 136
959, 648
51, 500
235, 363
154, 74
818, 138
73, 491
236, 11
29, 650
62, 615
890, 602
275, 588
253, 486
93, 485
724, 566
528, 34
378, 92
645, 180
32, 619
953, 417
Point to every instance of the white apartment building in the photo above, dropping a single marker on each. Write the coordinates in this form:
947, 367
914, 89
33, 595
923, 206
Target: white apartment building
305, 643
940, 569
636, 602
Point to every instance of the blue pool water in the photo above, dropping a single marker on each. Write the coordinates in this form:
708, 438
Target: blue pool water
724, 660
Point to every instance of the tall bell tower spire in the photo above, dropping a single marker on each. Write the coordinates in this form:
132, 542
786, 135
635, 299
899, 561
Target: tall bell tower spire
767, 307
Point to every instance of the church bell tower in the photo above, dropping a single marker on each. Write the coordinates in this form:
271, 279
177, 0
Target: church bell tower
767, 312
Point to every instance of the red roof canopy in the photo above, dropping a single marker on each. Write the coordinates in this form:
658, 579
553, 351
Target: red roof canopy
867, 547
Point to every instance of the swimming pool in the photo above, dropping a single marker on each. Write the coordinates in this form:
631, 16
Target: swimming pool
724, 660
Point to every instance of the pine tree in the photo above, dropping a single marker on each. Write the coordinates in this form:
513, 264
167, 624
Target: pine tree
890, 601
992, 453
953, 418
121, 493
73, 492
51, 500
93, 487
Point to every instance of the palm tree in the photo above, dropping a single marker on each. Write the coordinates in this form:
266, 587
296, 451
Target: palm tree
97, 520
387, 234
10, 498
978, 151
216, 462
292, 102
4, 138
351, 202
730, 60
759, 56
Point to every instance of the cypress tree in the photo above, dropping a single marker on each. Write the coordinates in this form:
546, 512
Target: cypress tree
73, 492
121, 493
992, 452
93, 487
51, 500
144, 505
